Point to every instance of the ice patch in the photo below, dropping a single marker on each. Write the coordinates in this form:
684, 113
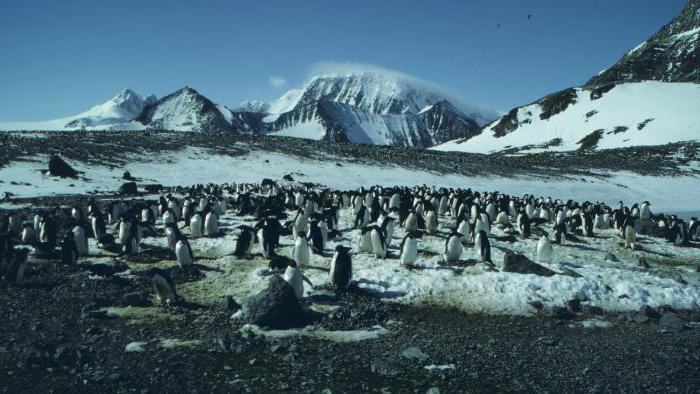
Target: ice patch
333, 336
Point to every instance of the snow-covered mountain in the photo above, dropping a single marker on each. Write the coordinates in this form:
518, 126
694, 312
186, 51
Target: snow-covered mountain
650, 97
186, 110
116, 112
375, 108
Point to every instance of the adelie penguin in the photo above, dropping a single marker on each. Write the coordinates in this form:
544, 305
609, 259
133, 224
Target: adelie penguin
545, 252
365, 240
183, 253
453, 247
341, 268
630, 232
301, 251
163, 285
81, 241
379, 242
409, 247
245, 241
69, 250
296, 279
483, 246
316, 237
15, 270
197, 225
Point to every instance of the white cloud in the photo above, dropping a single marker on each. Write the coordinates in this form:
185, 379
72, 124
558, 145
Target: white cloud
277, 81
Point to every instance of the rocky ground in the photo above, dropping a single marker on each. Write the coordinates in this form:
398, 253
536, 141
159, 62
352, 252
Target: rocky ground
55, 338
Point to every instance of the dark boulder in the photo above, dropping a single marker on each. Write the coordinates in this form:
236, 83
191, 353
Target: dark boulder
134, 299
573, 305
288, 177
153, 188
520, 264
562, 313
672, 322
58, 167
276, 307
128, 188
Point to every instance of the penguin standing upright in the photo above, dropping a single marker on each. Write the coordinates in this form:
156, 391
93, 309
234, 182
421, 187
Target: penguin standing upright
379, 245
244, 243
301, 252
409, 248
431, 223
81, 241
365, 240
483, 246
211, 224
545, 252
69, 250
316, 237
341, 268
453, 247
15, 270
411, 222
163, 285
197, 225
293, 276
630, 232
183, 253
29, 236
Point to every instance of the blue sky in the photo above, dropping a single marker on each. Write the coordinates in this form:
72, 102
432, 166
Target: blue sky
58, 58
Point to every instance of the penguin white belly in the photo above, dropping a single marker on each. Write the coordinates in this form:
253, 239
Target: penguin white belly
145, 214
293, 277
124, 232
377, 247
168, 218
389, 233
411, 223
182, 253
163, 290
211, 225
172, 240
28, 235
630, 236
80, 241
464, 230
501, 219
37, 223
365, 243
301, 252
409, 254
196, 226
431, 222
454, 249
544, 251
261, 241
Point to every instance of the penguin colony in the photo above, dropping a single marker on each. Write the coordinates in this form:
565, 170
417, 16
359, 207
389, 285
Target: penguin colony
307, 217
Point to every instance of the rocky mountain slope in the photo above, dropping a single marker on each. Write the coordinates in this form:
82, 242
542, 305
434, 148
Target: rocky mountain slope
649, 97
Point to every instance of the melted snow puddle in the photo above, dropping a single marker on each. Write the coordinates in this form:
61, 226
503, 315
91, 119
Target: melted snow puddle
333, 336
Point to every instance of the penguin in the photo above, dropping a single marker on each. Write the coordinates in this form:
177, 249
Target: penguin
502, 219
301, 252
124, 226
362, 217
211, 224
99, 227
409, 247
163, 285
559, 233
268, 235
365, 240
169, 217
196, 225
411, 222
431, 223
587, 218
183, 253
15, 270
69, 250
379, 245
483, 245
341, 268
545, 252
316, 237
131, 246
630, 232
293, 276
81, 241
245, 240
29, 236
172, 234
453, 247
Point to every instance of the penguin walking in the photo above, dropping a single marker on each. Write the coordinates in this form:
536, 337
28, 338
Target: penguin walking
183, 253
341, 268
545, 252
483, 246
163, 285
301, 252
409, 248
245, 240
453, 247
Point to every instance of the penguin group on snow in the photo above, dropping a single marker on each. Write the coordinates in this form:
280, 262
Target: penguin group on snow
307, 217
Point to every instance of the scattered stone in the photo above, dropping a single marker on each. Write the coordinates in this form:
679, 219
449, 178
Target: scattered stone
288, 177
153, 188
538, 305
133, 299
128, 188
648, 312
562, 313
231, 304
569, 272
275, 307
58, 167
385, 367
520, 264
415, 354
611, 257
574, 305
672, 322
643, 264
